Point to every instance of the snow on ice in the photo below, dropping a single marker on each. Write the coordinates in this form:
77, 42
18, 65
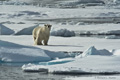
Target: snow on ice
10, 52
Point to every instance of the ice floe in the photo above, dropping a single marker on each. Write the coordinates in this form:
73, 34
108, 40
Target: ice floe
11, 52
90, 62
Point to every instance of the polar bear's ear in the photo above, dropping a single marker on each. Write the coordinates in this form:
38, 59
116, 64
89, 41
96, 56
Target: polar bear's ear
45, 24
49, 26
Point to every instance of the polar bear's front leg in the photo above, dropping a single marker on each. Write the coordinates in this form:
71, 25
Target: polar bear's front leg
46, 41
38, 42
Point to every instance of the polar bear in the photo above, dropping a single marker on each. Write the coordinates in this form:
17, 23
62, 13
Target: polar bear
41, 34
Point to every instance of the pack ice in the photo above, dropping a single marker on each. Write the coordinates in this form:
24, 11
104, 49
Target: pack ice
90, 61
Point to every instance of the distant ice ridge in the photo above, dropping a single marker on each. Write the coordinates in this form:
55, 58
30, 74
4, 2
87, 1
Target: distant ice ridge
26, 31
112, 37
82, 3
116, 1
109, 14
111, 34
63, 33
92, 61
5, 30
55, 3
61, 3
13, 2
27, 14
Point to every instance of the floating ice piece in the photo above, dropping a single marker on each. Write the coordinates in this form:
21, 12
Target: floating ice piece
34, 68
114, 32
111, 37
44, 66
58, 61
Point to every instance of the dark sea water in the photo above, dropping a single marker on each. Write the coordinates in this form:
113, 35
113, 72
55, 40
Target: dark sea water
16, 73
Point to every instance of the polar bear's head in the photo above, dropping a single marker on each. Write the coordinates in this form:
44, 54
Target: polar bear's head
48, 26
